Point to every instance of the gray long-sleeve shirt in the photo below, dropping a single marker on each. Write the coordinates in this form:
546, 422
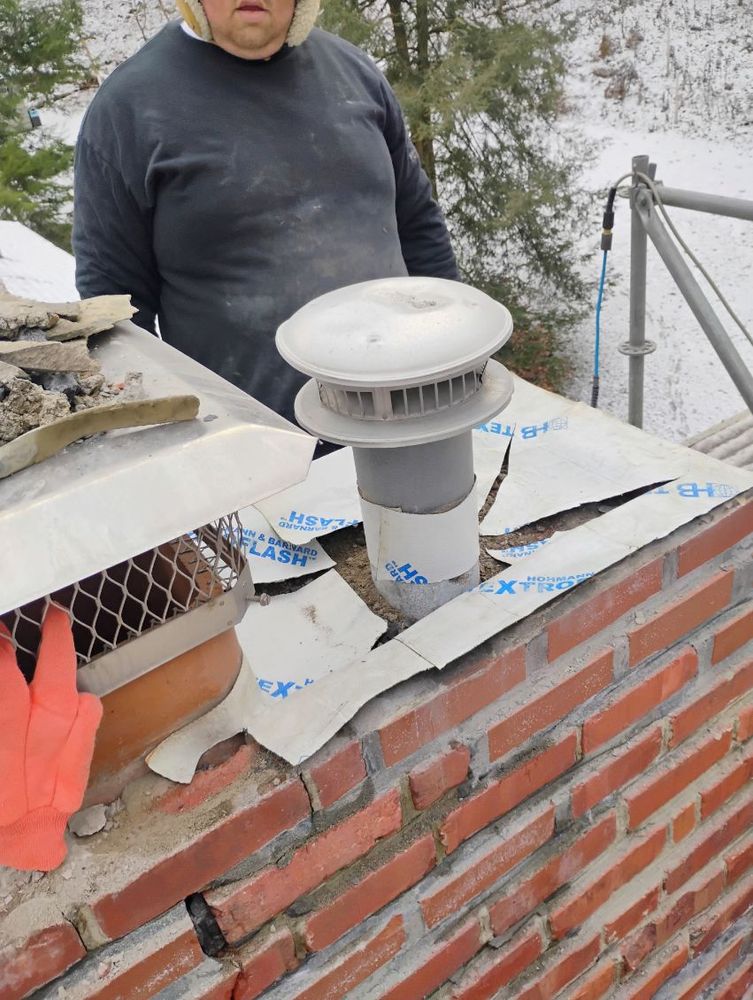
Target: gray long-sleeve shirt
224, 194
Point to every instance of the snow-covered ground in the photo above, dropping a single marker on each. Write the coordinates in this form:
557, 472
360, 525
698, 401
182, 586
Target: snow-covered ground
686, 388
669, 78
672, 79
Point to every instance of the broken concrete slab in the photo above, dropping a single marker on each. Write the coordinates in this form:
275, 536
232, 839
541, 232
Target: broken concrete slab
64, 310
42, 356
9, 372
97, 315
27, 407
16, 315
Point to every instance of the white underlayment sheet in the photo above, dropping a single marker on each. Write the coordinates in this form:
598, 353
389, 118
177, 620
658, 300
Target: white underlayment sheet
273, 559
516, 552
565, 454
296, 727
290, 646
326, 501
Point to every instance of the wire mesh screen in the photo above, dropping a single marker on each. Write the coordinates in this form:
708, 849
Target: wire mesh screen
123, 602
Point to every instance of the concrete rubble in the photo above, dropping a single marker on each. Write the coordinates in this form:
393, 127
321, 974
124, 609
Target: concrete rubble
46, 371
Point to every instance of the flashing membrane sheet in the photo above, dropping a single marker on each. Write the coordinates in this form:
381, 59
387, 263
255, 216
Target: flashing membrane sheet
694, 484
290, 646
565, 454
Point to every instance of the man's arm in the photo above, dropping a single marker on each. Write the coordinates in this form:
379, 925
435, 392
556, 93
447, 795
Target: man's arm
112, 238
423, 232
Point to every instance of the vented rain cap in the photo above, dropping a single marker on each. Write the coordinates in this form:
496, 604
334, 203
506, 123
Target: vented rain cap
394, 332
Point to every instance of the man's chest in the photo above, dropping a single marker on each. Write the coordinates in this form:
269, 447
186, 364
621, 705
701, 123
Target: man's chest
263, 159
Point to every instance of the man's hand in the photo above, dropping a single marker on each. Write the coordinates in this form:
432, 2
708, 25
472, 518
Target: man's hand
47, 732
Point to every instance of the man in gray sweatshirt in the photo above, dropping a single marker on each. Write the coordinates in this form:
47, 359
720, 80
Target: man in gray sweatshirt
238, 166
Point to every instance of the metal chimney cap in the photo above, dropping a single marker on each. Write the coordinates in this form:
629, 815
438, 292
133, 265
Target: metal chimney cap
394, 332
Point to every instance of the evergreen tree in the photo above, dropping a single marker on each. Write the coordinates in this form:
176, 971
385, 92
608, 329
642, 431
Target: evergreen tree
40, 44
481, 89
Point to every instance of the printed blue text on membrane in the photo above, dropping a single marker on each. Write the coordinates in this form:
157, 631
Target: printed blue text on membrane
314, 522
405, 574
533, 584
262, 546
528, 432
282, 689
694, 491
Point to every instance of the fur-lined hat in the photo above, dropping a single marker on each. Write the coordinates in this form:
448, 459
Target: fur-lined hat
306, 13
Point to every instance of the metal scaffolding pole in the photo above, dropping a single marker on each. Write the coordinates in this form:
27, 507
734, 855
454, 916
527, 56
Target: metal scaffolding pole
734, 208
646, 216
637, 347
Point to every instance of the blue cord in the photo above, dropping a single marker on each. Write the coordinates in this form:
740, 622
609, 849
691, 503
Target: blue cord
597, 343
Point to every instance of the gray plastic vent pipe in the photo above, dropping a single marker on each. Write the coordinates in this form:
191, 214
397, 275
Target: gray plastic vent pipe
401, 372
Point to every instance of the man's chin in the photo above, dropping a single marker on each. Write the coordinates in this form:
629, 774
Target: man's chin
250, 41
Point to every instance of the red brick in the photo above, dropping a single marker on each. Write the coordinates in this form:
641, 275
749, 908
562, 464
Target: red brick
739, 860
154, 973
262, 964
549, 708
370, 894
737, 986
724, 787
587, 896
681, 617
646, 986
745, 724
39, 959
742, 680
674, 917
431, 781
341, 978
503, 795
691, 989
569, 963
140, 965
240, 909
720, 537
683, 823
616, 928
639, 701
206, 784
443, 961
732, 636
604, 608
676, 775
210, 981
520, 900
708, 843
731, 908
689, 905
596, 984
617, 772
188, 870
454, 892
498, 968
455, 702
339, 775
637, 948
712, 702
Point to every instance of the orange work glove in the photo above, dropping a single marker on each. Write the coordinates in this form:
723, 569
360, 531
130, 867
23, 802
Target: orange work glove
47, 732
